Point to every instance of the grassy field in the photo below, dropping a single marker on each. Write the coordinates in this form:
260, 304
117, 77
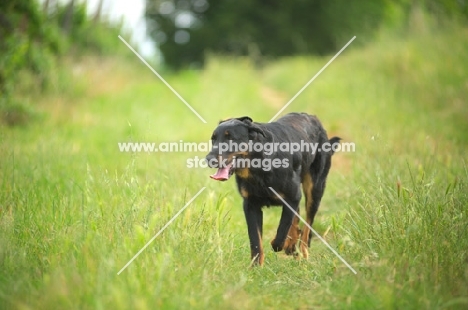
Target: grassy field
74, 210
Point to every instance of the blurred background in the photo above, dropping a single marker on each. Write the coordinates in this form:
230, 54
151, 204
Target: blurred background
37, 35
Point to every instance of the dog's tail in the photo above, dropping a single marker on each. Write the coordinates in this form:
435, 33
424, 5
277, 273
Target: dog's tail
332, 142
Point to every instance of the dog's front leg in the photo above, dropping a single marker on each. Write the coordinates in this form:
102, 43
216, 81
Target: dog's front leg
254, 218
284, 226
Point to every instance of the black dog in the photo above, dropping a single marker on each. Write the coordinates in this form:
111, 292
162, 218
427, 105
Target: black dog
281, 169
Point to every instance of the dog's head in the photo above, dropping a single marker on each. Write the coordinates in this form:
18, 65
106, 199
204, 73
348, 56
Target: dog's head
226, 139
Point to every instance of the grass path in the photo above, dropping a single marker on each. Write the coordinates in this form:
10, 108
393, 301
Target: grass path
74, 210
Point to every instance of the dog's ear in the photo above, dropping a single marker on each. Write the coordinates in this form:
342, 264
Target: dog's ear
251, 125
245, 119
249, 122
256, 129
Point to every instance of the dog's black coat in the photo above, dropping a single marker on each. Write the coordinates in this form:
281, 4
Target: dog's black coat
304, 168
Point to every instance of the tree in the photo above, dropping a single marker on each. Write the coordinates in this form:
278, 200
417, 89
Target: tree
68, 17
185, 30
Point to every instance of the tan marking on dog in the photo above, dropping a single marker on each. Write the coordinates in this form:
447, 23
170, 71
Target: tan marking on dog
281, 195
304, 241
307, 187
244, 192
243, 173
262, 256
259, 257
231, 156
293, 235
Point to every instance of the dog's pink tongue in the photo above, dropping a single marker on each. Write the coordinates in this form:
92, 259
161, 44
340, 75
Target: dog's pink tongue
222, 174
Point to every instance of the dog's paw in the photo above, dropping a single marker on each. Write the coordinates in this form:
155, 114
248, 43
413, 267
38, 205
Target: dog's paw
291, 240
290, 247
276, 245
257, 259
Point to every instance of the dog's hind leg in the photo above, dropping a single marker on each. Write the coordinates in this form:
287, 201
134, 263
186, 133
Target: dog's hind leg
307, 187
314, 187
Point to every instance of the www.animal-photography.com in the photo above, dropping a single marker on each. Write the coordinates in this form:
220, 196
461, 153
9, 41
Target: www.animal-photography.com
201, 154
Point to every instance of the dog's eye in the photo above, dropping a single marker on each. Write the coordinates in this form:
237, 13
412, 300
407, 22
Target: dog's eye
227, 134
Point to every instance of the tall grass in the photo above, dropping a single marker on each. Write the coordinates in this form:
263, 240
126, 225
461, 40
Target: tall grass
74, 210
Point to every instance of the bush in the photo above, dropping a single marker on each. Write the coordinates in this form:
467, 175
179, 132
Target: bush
32, 44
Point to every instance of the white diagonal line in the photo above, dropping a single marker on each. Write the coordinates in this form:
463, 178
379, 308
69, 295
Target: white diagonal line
161, 230
162, 79
315, 233
311, 80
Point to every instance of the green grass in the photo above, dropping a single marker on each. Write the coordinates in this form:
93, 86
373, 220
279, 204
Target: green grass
74, 210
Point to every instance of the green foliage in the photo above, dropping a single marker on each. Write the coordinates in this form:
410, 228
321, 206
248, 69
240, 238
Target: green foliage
88, 36
281, 28
33, 41
276, 28
27, 43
